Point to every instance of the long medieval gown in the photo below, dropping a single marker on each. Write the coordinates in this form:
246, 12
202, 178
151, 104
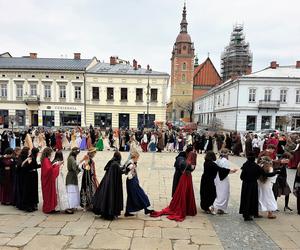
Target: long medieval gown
30, 197
207, 186
7, 177
99, 144
48, 176
183, 202
89, 184
179, 165
58, 141
108, 199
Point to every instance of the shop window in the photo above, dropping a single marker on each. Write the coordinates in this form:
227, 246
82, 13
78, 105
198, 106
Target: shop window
153, 95
20, 118
4, 122
110, 94
251, 123
281, 123
95, 93
48, 118
139, 95
123, 94
103, 120
142, 121
266, 122
70, 118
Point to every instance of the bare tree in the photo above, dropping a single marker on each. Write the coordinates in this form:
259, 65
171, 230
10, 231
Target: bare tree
187, 107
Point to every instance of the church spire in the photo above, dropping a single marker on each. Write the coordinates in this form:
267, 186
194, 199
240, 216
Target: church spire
184, 23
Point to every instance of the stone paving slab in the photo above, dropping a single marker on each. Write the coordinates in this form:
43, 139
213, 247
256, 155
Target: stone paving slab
107, 239
24, 237
47, 242
150, 244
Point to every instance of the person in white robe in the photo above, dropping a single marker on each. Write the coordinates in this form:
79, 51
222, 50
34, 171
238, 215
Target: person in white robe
220, 204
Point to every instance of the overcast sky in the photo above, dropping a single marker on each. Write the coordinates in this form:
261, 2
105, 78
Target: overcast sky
146, 30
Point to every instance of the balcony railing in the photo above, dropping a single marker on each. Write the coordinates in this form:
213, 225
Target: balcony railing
31, 99
273, 104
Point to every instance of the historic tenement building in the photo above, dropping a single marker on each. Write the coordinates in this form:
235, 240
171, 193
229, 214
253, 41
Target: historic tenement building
182, 72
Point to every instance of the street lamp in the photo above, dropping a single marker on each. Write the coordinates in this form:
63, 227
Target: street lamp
148, 94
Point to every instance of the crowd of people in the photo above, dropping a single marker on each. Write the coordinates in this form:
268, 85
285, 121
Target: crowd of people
263, 175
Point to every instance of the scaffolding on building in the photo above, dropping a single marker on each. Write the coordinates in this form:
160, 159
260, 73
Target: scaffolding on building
236, 60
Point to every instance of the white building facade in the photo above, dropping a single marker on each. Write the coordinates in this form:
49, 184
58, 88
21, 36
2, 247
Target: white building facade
42, 91
120, 95
266, 99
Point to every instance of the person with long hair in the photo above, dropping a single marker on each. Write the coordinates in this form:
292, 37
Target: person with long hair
208, 192
61, 190
136, 197
89, 182
48, 177
19, 181
7, 172
30, 198
72, 178
108, 199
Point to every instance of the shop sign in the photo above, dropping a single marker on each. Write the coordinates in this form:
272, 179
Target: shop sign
62, 108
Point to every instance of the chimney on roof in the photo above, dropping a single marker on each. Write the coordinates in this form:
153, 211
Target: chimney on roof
274, 65
148, 67
77, 56
113, 60
135, 64
33, 55
139, 66
298, 64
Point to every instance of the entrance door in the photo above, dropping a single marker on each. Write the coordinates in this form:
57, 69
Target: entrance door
34, 119
124, 121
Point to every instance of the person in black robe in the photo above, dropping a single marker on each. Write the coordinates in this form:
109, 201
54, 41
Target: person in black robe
93, 135
18, 139
30, 194
208, 192
248, 145
108, 198
228, 142
47, 138
19, 184
52, 140
251, 172
4, 142
180, 165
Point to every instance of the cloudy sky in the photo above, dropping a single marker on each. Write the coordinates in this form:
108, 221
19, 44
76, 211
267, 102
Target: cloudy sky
145, 30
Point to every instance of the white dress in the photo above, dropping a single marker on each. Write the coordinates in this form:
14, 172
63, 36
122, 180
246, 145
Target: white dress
222, 187
78, 139
61, 192
266, 199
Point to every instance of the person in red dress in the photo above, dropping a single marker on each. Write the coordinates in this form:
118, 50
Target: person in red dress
296, 156
7, 173
49, 174
58, 140
183, 202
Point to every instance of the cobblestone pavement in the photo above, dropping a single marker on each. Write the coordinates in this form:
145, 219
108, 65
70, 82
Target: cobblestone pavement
83, 230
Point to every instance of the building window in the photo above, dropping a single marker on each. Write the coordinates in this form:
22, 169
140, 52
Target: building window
219, 100
283, 94
70, 118
110, 93
184, 66
223, 103
3, 90
183, 77
20, 118
251, 123
62, 91
33, 90
19, 76
139, 95
19, 90
103, 120
266, 122
153, 95
268, 93
298, 96
95, 91
62, 77
77, 92
33, 76
281, 123
77, 77
252, 95
48, 118
142, 121
47, 76
47, 91
123, 94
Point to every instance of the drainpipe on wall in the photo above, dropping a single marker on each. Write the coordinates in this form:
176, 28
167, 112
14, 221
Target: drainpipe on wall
237, 105
84, 98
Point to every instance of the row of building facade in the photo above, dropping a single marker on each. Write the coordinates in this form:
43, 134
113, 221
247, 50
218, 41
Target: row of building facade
267, 99
59, 92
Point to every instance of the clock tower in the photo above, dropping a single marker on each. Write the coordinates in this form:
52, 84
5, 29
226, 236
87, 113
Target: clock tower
182, 72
